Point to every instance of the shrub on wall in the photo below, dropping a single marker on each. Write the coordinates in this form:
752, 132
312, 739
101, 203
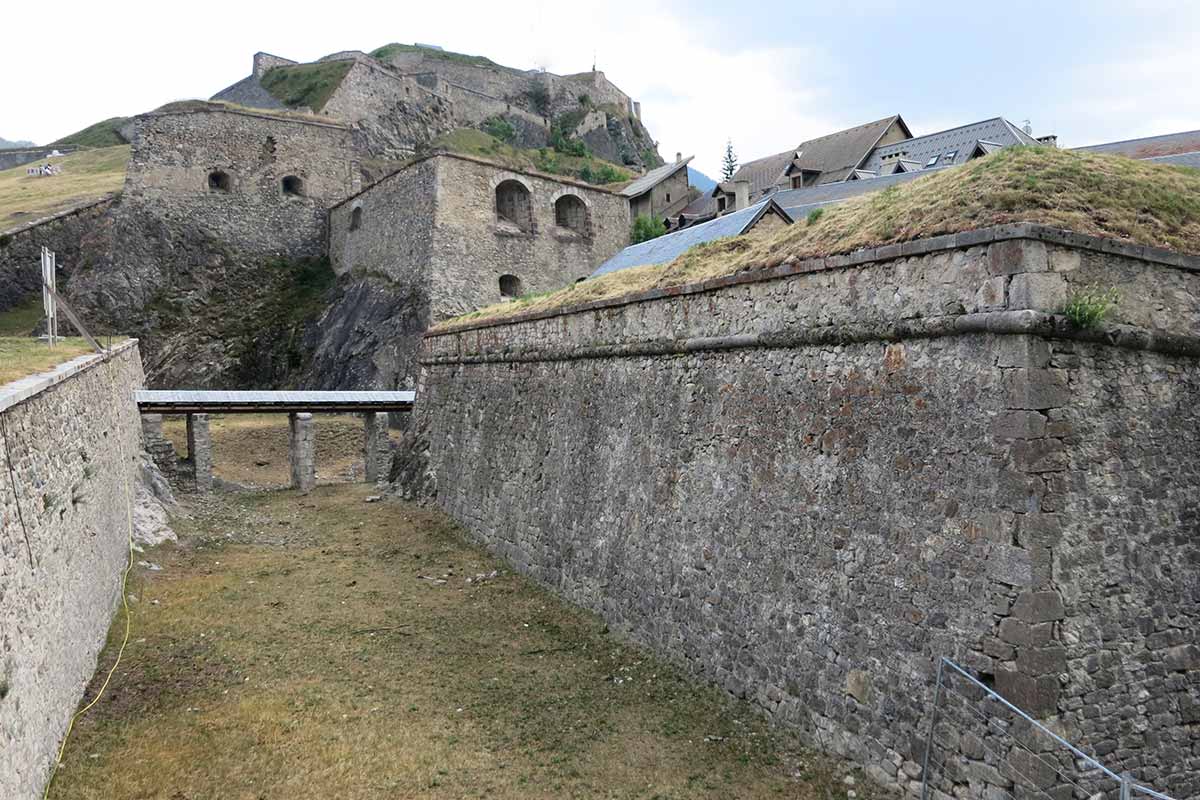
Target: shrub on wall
500, 128
646, 228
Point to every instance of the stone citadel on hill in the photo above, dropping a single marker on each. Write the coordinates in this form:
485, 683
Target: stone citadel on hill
223, 228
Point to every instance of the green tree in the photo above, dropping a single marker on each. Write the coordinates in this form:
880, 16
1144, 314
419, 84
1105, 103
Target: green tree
729, 162
646, 228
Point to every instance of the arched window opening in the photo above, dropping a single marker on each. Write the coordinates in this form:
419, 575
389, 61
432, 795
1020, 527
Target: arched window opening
356, 219
293, 186
510, 287
512, 205
571, 213
219, 181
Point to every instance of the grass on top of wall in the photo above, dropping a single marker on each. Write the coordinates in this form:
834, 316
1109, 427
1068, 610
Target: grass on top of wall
472, 142
106, 133
21, 357
1100, 195
86, 175
306, 84
386, 52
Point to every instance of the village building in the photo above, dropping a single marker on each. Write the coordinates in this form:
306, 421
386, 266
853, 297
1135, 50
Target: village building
852, 162
660, 193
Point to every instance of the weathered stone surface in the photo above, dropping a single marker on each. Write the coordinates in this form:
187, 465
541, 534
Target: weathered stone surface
199, 442
1038, 607
69, 456
302, 452
377, 447
787, 514
1037, 290
1036, 388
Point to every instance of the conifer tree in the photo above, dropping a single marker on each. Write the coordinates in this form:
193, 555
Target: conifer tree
729, 163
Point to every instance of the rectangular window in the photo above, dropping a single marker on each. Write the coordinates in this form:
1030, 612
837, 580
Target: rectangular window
931, 162
950, 156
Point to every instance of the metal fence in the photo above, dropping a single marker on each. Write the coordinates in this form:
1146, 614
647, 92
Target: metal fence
979, 740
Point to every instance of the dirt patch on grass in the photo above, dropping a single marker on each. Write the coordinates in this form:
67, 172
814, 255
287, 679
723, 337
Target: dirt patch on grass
379, 655
1111, 196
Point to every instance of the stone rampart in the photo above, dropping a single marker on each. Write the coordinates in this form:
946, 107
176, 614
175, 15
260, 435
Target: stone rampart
809, 483
66, 233
259, 182
69, 467
15, 157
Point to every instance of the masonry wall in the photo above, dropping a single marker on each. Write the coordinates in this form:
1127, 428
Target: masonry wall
668, 197
811, 483
67, 233
473, 248
385, 264
175, 152
68, 457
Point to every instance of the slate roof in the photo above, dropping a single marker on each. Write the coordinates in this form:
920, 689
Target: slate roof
1178, 159
835, 155
669, 246
654, 177
1151, 146
950, 147
798, 202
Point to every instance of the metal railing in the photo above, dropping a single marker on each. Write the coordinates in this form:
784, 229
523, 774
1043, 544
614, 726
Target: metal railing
977, 736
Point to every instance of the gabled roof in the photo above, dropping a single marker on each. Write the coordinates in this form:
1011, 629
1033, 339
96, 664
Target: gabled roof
669, 246
654, 177
833, 155
798, 202
949, 147
1151, 146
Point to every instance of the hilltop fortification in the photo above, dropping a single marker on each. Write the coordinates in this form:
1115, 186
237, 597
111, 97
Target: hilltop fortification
402, 97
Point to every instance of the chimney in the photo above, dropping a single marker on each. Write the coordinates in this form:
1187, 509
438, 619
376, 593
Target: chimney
1050, 140
741, 195
678, 156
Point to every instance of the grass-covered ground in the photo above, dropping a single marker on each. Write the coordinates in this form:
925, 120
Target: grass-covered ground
308, 85
329, 647
86, 175
472, 142
1102, 195
106, 133
21, 357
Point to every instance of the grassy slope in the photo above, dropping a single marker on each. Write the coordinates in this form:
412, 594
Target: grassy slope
21, 357
306, 84
388, 50
103, 134
469, 141
321, 646
86, 175
1093, 194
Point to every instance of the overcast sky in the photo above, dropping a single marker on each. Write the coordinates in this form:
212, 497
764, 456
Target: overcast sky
766, 75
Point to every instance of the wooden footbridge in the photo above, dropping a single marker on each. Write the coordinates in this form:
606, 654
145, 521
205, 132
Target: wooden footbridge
299, 406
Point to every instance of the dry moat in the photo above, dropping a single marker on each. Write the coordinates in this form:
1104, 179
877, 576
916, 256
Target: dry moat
331, 645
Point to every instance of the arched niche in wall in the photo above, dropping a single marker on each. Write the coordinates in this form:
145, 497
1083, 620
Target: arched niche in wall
293, 185
512, 204
219, 181
356, 216
571, 213
511, 287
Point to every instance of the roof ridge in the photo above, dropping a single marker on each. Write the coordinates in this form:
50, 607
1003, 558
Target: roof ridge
1138, 139
948, 130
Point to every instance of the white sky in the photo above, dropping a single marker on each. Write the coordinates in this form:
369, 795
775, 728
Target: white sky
766, 75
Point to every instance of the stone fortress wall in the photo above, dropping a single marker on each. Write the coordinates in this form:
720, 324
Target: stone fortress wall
431, 232
67, 233
811, 482
69, 454
178, 158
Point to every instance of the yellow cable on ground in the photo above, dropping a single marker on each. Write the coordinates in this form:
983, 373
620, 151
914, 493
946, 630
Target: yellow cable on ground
125, 609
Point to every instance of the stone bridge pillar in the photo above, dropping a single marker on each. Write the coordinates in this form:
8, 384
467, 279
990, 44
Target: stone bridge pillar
200, 451
378, 448
301, 454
